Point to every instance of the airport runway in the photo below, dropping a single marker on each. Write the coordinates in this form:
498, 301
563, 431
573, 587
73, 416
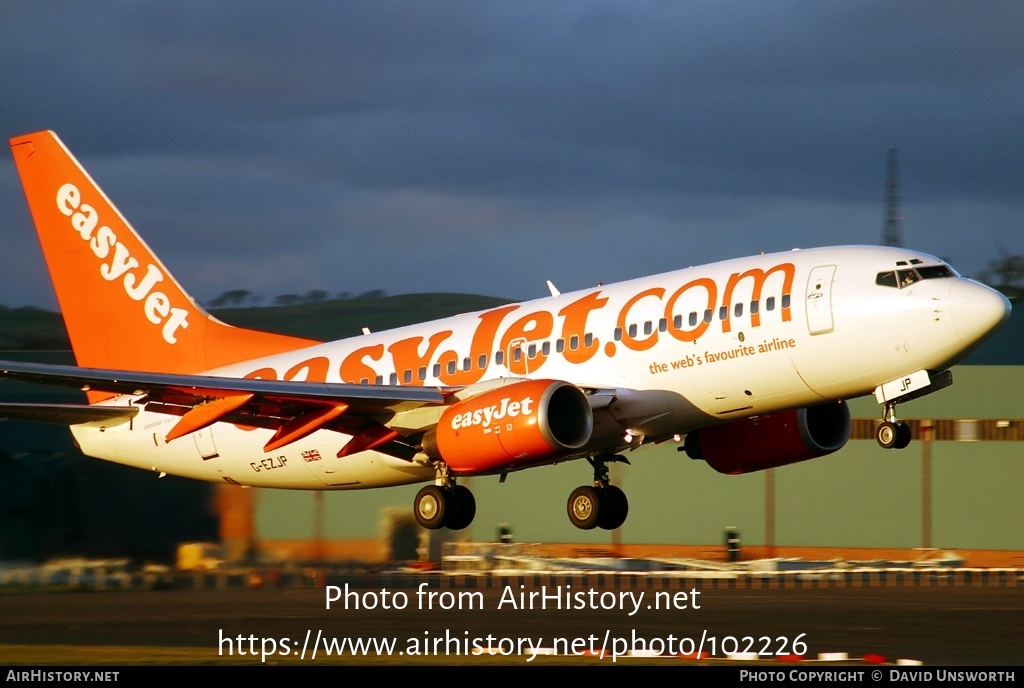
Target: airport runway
950, 625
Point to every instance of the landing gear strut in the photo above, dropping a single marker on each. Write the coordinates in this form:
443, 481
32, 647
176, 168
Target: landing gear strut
892, 433
601, 505
445, 505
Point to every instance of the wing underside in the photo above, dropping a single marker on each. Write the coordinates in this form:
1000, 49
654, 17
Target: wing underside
387, 419
67, 414
293, 409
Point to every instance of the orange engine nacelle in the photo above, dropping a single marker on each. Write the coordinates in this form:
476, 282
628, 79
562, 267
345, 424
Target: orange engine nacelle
512, 426
754, 444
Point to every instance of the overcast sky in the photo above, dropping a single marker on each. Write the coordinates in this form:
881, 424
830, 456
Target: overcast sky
487, 146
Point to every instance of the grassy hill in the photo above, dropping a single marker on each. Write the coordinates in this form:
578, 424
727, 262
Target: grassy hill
37, 329
338, 318
32, 328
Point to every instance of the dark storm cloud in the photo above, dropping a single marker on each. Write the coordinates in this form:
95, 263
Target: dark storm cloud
480, 146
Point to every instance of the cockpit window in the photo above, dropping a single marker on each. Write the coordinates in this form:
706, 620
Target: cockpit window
886, 279
935, 272
907, 276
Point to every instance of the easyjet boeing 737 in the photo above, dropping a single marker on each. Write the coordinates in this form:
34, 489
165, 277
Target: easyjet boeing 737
751, 360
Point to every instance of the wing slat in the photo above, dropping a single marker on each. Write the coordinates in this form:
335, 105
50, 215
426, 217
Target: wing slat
303, 425
207, 414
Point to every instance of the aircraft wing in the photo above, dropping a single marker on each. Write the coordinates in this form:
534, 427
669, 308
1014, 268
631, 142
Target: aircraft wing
67, 414
293, 409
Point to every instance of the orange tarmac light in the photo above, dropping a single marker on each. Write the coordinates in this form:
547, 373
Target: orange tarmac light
739, 357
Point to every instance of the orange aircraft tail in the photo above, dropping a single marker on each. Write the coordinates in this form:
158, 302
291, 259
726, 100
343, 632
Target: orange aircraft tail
122, 308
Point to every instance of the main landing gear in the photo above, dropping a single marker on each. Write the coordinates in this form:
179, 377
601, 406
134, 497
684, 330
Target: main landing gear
601, 505
892, 433
445, 506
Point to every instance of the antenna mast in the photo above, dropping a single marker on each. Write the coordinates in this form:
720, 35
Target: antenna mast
892, 235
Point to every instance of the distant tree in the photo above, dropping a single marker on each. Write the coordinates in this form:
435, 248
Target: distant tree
315, 295
1005, 270
287, 300
373, 294
231, 298
344, 295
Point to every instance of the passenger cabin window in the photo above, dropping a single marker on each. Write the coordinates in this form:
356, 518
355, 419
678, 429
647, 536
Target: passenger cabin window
499, 358
769, 303
737, 310
588, 340
437, 370
482, 361
753, 307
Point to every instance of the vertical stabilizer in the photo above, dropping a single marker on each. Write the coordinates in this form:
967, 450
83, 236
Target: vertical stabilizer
123, 309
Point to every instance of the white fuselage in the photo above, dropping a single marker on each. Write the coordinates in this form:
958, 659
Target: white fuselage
681, 350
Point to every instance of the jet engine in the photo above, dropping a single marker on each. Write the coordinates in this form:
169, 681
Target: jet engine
760, 442
512, 426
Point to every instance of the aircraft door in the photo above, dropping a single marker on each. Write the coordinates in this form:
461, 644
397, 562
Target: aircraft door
818, 302
204, 443
515, 356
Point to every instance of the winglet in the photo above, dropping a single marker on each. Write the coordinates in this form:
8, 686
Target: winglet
123, 309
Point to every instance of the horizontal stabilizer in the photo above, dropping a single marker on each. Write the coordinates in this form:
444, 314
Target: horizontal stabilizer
368, 398
67, 414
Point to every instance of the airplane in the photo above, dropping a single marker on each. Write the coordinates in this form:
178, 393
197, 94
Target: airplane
746, 363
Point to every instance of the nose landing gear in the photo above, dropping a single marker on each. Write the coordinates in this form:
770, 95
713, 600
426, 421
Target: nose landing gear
895, 434
892, 433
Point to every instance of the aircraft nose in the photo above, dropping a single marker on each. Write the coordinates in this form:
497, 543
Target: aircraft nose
977, 310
